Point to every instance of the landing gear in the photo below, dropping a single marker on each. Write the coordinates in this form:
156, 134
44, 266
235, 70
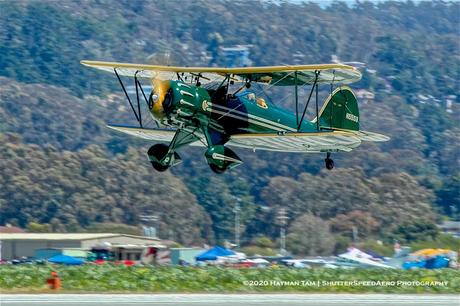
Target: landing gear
216, 169
157, 153
221, 158
329, 162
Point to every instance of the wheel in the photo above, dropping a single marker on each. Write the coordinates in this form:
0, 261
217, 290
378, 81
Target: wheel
329, 163
158, 151
159, 167
217, 169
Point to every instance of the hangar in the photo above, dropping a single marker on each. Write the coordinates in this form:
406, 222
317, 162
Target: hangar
17, 245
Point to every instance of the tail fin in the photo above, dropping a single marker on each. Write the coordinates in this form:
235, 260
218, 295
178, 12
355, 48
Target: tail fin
340, 110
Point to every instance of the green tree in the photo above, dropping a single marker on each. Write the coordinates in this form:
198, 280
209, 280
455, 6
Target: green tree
416, 231
310, 235
114, 228
34, 227
449, 197
362, 221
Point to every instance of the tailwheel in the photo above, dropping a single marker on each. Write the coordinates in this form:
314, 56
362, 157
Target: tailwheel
157, 153
217, 169
329, 162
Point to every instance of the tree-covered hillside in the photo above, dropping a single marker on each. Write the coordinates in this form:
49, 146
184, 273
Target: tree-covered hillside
61, 166
73, 190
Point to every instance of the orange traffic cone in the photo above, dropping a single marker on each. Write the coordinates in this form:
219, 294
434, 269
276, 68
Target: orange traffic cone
54, 281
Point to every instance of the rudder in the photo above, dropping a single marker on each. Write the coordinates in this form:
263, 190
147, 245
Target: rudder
340, 110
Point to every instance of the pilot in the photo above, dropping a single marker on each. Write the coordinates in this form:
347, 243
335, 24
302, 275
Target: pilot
261, 102
251, 96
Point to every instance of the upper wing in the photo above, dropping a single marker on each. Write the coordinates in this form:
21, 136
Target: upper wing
155, 71
300, 74
274, 75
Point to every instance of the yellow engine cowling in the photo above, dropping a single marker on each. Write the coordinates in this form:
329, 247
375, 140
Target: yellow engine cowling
157, 97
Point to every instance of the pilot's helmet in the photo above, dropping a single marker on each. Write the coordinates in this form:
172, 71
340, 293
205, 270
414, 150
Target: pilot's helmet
251, 96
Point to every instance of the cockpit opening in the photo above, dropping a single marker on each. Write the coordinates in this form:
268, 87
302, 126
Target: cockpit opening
251, 96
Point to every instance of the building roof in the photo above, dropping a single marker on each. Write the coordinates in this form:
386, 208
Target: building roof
10, 229
450, 225
66, 236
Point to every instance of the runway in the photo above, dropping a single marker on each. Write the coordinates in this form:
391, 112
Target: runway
226, 299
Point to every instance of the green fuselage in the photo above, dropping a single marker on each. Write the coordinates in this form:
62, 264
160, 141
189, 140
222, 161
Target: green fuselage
228, 114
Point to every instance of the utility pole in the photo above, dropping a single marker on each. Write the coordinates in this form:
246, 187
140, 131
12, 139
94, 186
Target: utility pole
151, 229
236, 210
354, 231
282, 221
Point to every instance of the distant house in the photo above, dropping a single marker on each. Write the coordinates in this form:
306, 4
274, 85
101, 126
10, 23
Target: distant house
450, 227
237, 56
365, 95
449, 103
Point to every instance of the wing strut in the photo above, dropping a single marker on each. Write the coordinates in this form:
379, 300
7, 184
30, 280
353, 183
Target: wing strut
137, 97
127, 97
317, 108
296, 99
138, 85
315, 84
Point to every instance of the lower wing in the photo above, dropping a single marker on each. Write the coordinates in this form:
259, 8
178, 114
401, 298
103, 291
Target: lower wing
298, 142
289, 142
163, 135
332, 141
370, 136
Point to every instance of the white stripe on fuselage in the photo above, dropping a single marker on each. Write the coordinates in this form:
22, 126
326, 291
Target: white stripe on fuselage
273, 125
228, 114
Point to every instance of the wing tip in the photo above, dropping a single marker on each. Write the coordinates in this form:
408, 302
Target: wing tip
375, 137
85, 62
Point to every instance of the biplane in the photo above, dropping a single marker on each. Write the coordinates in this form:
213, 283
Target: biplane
197, 106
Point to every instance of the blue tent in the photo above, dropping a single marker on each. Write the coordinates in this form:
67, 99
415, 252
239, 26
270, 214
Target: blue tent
213, 253
66, 260
436, 262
